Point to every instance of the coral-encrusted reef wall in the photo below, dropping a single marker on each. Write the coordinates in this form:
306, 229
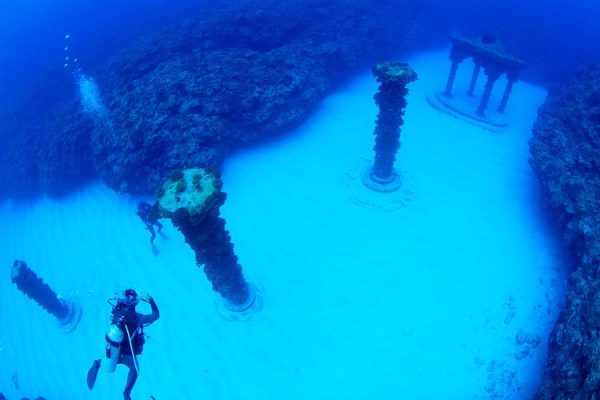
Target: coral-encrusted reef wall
192, 93
52, 155
565, 152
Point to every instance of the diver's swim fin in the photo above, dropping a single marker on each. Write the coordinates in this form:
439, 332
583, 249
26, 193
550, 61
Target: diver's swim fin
92, 374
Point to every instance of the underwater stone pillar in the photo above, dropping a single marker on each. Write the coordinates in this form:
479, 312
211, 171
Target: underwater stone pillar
391, 100
191, 199
456, 57
511, 79
492, 75
68, 313
474, 76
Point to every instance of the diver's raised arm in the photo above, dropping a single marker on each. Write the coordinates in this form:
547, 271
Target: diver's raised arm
147, 319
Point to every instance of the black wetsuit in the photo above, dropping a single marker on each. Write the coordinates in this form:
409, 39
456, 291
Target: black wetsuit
135, 322
149, 215
124, 316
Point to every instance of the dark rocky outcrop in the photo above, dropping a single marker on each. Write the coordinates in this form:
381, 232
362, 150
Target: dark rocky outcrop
193, 93
565, 152
51, 155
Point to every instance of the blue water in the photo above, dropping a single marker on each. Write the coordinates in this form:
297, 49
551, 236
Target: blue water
354, 341
32, 36
32, 41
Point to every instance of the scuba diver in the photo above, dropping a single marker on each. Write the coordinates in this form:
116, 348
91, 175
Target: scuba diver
125, 337
149, 215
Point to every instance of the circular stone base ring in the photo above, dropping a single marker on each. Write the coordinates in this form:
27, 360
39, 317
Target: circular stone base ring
69, 323
241, 312
378, 184
355, 181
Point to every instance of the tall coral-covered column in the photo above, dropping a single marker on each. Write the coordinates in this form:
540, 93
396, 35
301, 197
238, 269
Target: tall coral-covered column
191, 199
391, 99
68, 313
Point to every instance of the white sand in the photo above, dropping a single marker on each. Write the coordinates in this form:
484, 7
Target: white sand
420, 302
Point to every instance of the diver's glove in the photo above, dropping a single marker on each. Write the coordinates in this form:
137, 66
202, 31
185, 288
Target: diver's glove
154, 307
150, 300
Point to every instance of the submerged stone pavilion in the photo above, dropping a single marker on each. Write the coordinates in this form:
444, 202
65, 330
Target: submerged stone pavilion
488, 54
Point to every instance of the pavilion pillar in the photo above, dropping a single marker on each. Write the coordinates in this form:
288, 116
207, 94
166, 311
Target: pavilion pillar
492, 75
456, 58
474, 76
512, 78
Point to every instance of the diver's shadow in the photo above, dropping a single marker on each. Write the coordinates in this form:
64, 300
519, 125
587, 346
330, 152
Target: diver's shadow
154, 248
163, 235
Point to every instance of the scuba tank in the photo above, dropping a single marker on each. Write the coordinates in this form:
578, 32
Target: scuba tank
115, 333
114, 337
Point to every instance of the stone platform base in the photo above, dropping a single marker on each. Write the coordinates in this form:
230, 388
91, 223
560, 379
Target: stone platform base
463, 107
385, 200
241, 312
